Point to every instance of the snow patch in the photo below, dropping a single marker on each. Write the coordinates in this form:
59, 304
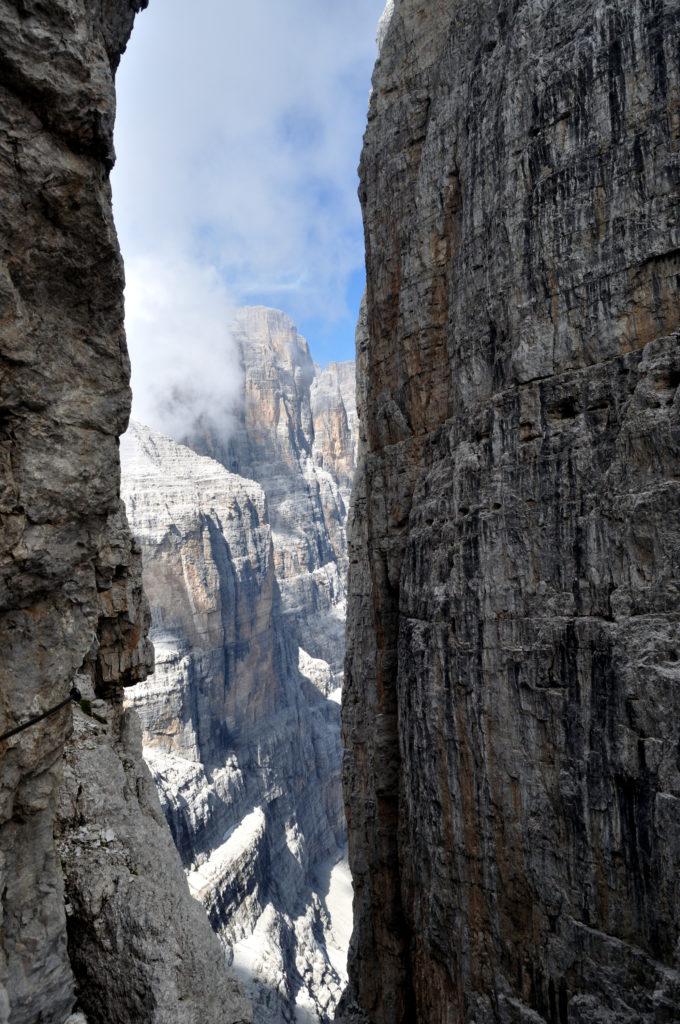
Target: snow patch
243, 838
317, 671
339, 905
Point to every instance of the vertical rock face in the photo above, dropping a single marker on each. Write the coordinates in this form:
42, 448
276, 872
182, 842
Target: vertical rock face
71, 604
512, 703
242, 740
336, 424
295, 434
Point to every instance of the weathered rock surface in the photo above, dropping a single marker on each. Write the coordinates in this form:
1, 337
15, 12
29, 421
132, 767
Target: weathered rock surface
296, 435
336, 423
242, 741
70, 576
141, 947
512, 702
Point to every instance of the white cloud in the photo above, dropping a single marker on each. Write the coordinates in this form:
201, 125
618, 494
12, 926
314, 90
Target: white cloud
238, 135
184, 363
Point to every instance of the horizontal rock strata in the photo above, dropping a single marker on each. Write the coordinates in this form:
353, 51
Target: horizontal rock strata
241, 737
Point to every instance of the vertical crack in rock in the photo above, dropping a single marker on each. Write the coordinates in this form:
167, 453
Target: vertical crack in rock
512, 698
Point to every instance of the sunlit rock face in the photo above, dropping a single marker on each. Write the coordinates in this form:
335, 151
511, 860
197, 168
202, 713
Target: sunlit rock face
512, 695
334, 415
384, 22
295, 433
241, 727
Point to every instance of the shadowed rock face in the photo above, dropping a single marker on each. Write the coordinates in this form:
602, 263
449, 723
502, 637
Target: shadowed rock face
71, 604
512, 701
241, 737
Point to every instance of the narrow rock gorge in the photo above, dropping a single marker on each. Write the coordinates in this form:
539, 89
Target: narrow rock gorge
509, 572
512, 693
95, 911
245, 565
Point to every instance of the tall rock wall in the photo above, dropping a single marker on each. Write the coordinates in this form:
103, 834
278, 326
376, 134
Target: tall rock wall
512, 701
295, 433
71, 604
336, 424
241, 737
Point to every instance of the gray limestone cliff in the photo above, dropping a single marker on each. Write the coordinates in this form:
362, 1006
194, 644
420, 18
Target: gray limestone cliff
295, 433
245, 567
92, 895
241, 727
512, 701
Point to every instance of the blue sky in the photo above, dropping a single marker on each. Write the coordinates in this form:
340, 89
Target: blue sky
238, 135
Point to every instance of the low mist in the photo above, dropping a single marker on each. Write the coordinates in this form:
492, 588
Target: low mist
185, 365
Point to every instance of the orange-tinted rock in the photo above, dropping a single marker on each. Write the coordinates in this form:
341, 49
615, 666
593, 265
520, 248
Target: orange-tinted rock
512, 699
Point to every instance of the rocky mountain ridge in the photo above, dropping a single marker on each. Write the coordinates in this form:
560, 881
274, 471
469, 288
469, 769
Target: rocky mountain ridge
241, 723
295, 433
